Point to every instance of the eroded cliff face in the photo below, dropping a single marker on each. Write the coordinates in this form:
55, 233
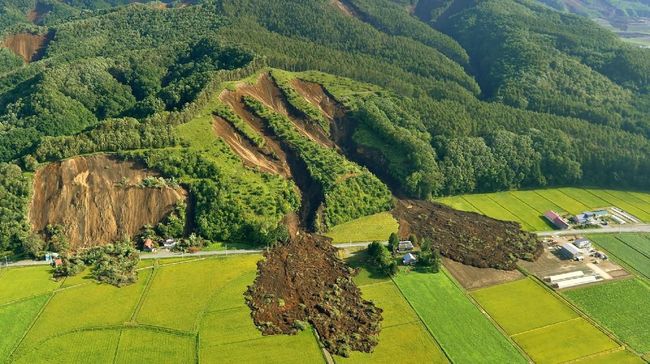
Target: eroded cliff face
97, 199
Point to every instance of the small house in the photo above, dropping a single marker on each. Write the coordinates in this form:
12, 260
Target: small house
149, 246
569, 251
601, 213
582, 244
57, 262
409, 259
405, 246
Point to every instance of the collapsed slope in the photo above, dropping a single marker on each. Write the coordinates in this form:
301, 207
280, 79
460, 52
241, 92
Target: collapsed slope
97, 199
30, 47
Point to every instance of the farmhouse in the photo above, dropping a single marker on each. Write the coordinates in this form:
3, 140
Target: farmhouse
405, 246
582, 243
409, 259
570, 251
557, 220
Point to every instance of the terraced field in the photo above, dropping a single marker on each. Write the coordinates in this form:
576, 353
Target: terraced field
528, 207
541, 324
187, 310
618, 306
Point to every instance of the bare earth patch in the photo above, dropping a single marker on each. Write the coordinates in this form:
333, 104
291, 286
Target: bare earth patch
474, 278
26, 45
86, 197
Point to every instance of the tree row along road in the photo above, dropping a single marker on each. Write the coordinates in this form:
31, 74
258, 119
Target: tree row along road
636, 228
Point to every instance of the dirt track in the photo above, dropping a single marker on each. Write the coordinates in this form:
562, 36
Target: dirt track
82, 195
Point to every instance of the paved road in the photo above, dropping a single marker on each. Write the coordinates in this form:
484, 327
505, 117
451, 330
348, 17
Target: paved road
158, 255
636, 228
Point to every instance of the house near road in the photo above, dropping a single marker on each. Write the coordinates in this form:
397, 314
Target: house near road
557, 220
570, 251
149, 246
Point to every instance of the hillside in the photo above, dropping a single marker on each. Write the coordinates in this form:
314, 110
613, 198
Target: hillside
412, 104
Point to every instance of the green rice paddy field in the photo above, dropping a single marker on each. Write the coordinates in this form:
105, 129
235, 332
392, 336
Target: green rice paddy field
527, 207
631, 249
620, 306
541, 324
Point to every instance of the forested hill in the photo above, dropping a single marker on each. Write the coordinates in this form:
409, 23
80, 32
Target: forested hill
460, 96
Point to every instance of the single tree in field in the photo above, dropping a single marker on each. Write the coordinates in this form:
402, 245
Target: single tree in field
393, 242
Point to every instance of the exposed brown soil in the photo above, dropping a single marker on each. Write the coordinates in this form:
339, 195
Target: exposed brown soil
344, 8
304, 280
30, 47
36, 15
317, 96
83, 196
250, 154
467, 237
474, 278
267, 92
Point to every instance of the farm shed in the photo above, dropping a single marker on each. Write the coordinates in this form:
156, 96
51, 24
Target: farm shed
576, 281
564, 276
601, 213
405, 246
582, 243
557, 220
570, 251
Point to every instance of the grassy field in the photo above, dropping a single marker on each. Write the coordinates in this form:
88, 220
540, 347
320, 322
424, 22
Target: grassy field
25, 282
615, 356
403, 338
15, 320
528, 207
618, 306
450, 316
542, 324
622, 248
369, 228
183, 310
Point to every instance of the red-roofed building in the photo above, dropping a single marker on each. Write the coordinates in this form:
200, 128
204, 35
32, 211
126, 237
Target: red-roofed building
557, 220
149, 246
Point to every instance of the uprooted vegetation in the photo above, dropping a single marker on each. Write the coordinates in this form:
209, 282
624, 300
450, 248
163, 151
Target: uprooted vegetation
467, 237
303, 281
98, 199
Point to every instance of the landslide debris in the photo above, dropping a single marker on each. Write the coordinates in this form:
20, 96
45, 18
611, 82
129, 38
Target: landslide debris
98, 199
467, 237
303, 281
30, 47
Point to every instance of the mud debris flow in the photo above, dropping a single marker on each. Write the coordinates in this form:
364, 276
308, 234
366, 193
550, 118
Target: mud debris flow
303, 281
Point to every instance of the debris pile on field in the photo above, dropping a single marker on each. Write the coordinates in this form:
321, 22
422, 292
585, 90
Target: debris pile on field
304, 282
467, 237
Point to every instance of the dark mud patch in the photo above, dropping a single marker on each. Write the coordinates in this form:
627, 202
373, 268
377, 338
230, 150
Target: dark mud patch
467, 237
303, 281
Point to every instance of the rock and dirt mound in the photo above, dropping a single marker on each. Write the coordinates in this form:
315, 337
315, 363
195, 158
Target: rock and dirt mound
31, 47
304, 281
97, 199
467, 237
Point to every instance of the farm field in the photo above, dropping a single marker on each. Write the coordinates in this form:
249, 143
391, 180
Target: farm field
370, 228
618, 306
403, 337
26, 282
540, 323
186, 310
627, 248
450, 315
528, 207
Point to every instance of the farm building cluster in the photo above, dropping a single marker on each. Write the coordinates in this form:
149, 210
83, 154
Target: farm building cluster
570, 261
597, 218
